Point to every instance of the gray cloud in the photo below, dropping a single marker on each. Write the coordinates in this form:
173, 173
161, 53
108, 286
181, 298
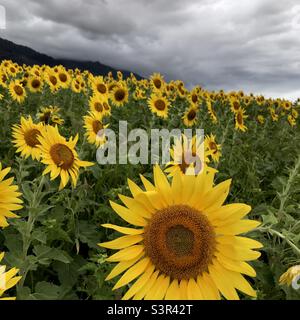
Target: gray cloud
220, 44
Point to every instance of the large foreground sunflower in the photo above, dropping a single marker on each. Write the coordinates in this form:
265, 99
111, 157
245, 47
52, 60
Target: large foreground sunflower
7, 279
9, 197
25, 138
60, 156
187, 244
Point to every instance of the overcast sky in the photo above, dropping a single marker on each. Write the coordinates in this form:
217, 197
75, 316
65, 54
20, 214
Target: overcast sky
221, 44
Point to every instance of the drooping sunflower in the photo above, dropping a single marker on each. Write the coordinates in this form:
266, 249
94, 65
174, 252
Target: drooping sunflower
211, 111
26, 138
94, 129
119, 95
212, 147
290, 275
9, 197
17, 91
239, 120
60, 156
159, 105
50, 115
190, 116
182, 152
8, 279
187, 245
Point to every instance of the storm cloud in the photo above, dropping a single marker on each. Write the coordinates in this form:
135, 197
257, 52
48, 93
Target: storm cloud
252, 45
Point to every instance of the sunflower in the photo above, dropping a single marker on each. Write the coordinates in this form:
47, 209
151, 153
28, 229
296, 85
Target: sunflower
181, 153
9, 198
194, 96
212, 147
234, 105
119, 95
290, 275
75, 86
100, 105
187, 244
34, 84
64, 77
50, 115
60, 156
274, 115
3, 79
239, 120
52, 79
211, 111
94, 129
120, 75
26, 138
99, 86
17, 91
7, 279
190, 116
291, 120
159, 105
157, 81
286, 105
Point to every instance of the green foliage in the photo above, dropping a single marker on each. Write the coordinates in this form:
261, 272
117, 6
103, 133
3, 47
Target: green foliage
54, 243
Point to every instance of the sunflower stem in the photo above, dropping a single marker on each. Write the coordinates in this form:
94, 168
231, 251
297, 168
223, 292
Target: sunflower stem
286, 190
32, 215
280, 235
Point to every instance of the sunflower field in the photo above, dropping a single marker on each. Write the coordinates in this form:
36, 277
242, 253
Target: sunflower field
71, 228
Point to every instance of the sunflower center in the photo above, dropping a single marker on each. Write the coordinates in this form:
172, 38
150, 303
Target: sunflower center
191, 115
97, 126
35, 83
62, 156
240, 118
106, 106
194, 98
180, 241
30, 137
18, 90
63, 77
160, 105
120, 95
46, 117
98, 106
101, 88
157, 83
53, 80
236, 105
212, 146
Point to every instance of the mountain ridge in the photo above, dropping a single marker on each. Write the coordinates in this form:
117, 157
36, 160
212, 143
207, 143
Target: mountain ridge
25, 55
